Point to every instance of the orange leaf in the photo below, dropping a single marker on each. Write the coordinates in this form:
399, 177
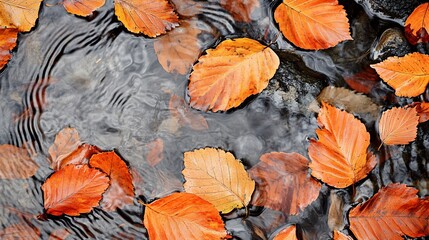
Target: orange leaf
154, 152
228, 74
186, 117
16, 163
216, 176
288, 233
341, 236
82, 7
179, 49
121, 191
20, 231
408, 75
19, 14
391, 213
241, 10
284, 183
339, 157
79, 156
422, 109
8, 38
313, 24
398, 126
183, 216
66, 141
73, 190
417, 25
363, 81
150, 17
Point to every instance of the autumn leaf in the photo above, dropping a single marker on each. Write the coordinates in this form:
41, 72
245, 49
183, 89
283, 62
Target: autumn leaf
20, 231
150, 17
395, 211
227, 75
341, 236
15, 163
219, 178
66, 141
363, 81
82, 7
8, 38
241, 10
154, 151
188, 8
398, 126
289, 233
339, 157
284, 183
121, 190
408, 75
336, 213
59, 234
183, 216
422, 109
73, 190
19, 14
185, 116
79, 156
417, 25
313, 24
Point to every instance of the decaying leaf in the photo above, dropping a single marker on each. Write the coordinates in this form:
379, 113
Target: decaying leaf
66, 141
227, 75
154, 152
335, 213
422, 109
363, 81
339, 157
408, 75
284, 182
82, 7
289, 233
417, 25
395, 211
79, 156
15, 163
313, 24
20, 231
73, 190
341, 236
183, 216
398, 126
185, 116
121, 190
241, 10
150, 17
219, 178
8, 38
19, 14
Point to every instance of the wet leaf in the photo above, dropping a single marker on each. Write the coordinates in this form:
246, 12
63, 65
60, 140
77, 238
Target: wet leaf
20, 231
66, 141
150, 17
393, 212
227, 75
73, 190
363, 81
15, 163
408, 75
284, 182
178, 50
19, 14
339, 157
185, 115
59, 234
341, 236
154, 153
417, 25
241, 10
183, 216
398, 126
188, 8
8, 37
335, 212
219, 178
82, 7
313, 24
422, 109
79, 156
121, 190
289, 233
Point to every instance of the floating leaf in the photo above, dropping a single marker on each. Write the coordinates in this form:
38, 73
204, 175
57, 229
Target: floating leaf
8, 38
20, 231
66, 141
363, 81
15, 163
121, 190
150, 17
341, 236
183, 216
393, 212
19, 14
154, 152
241, 10
417, 25
408, 75
284, 183
398, 126
228, 74
313, 24
82, 7
79, 156
339, 157
73, 190
289, 233
185, 115
216, 176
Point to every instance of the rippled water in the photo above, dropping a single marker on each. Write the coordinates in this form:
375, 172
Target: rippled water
91, 74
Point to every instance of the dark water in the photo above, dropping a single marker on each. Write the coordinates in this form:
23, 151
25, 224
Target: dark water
93, 75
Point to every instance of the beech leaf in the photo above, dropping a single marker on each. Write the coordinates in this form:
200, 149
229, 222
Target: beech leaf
422, 109
185, 116
363, 81
289, 233
66, 141
15, 163
20, 231
241, 10
8, 37
417, 25
154, 152
82, 7
341, 236
398, 126
188, 8
19, 14
79, 156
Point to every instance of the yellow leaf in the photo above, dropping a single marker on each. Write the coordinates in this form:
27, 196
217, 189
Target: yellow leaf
21, 14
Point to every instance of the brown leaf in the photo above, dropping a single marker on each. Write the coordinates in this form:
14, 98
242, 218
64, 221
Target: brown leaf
73, 190
15, 163
417, 25
230, 73
79, 156
335, 213
20, 231
121, 190
284, 183
398, 126
185, 115
363, 81
219, 178
188, 8
341, 236
313, 24
408, 75
289, 233
150, 17
154, 153
183, 216
8, 38
339, 157
393, 212
82, 7
241, 10
19, 14
66, 141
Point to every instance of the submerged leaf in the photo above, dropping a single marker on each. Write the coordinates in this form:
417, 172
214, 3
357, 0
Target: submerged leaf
417, 25
8, 38
154, 151
15, 163
398, 126
66, 141
79, 156
20, 231
241, 10
19, 14
185, 116
82, 7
